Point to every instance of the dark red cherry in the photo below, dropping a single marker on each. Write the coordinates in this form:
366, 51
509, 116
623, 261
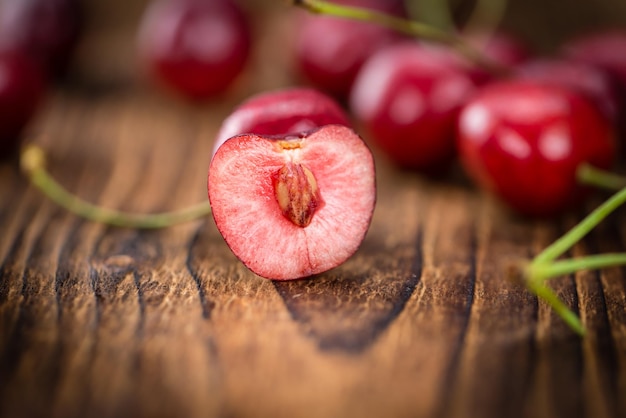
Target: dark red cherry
524, 141
195, 47
329, 51
47, 29
583, 78
606, 50
282, 112
22, 85
408, 96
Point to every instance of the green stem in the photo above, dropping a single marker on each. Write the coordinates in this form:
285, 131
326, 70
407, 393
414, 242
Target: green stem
575, 234
407, 27
593, 176
33, 164
543, 272
548, 296
434, 12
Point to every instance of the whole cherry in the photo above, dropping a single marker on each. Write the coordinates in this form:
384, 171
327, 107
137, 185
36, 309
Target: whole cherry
293, 199
197, 48
329, 51
408, 96
282, 112
48, 30
524, 141
22, 85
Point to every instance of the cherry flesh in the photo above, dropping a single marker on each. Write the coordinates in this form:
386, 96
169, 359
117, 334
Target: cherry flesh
289, 111
524, 140
329, 51
408, 96
196, 48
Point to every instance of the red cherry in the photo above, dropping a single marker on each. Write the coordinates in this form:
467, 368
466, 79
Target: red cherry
606, 50
329, 51
583, 78
46, 29
408, 97
524, 141
282, 112
196, 47
21, 88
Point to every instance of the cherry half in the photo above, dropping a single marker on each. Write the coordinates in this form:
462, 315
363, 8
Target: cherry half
524, 141
291, 186
195, 47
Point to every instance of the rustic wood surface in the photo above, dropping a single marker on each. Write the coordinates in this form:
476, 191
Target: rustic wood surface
423, 321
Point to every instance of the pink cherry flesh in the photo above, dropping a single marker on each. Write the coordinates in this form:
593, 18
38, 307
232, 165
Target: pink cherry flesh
408, 96
330, 51
282, 112
524, 141
197, 48
295, 206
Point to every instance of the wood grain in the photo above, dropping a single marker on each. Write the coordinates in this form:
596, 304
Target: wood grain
424, 320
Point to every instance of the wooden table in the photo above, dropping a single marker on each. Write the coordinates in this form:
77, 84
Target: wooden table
423, 321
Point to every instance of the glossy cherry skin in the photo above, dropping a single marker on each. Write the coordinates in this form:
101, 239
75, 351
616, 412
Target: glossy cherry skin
408, 97
46, 29
607, 51
581, 77
22, 85
524, 141
197, 48
330, 51
283, 112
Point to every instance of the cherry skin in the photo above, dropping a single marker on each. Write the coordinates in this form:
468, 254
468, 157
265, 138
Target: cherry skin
329, 51
289, 111
408, 97
581, 77
524, 140
46, 29
607, 51
22, 85
197, 48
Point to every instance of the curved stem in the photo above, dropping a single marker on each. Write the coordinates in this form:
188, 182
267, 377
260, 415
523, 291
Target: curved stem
575, 234
542, 272
593, 176
406, 27
33, 164
435, 12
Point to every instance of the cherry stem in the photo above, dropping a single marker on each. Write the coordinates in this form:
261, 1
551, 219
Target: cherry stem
593, 176
547, 295
407, 27
435, 12
575, 234
32, 162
